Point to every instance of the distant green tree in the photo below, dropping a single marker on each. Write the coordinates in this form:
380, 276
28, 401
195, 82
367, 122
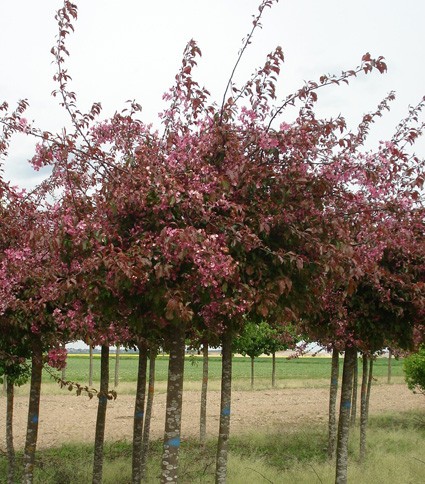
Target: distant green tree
257, 339
414, 368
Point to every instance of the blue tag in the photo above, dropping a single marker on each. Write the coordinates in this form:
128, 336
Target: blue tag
226, 411
174, 442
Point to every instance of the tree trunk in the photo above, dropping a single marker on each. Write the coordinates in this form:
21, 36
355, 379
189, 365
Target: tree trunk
273, 369
63, 376
117, 365
33, 411
369, 386
203, 416
9, 430
226, 392
332, 404
148, 415
252, 372
91, 366
363, 409
139, 409
354, 394
390, 354
101, 415
170, 456
344, 415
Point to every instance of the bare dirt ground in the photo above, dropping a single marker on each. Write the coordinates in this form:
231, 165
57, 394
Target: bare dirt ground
68, 418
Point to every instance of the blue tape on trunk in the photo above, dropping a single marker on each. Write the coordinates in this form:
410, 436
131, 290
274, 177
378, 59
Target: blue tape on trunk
226, 411
174, 442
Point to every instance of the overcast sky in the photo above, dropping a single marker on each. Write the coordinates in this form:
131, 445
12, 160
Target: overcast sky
132, 49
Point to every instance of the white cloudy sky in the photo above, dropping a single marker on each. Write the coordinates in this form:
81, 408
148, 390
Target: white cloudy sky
131, 49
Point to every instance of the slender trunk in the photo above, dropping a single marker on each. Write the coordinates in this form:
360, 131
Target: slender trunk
139, 409
332, 404
4, 386
91, 366
170, 456
354, 394
117, 365
63, 376
369, 387
273, 369
226, 392
390, 354
148, 415
363, 409
252, 372
344, 415
9, 431
203, 416
101, 415
33, 411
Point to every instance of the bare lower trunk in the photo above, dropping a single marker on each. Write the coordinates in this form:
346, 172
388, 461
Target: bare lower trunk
273, 370
390, 354
91, 366
354, 394
33, 412
363, 409
344, 415
117, 365
63, 376
101, 415
369, 386
203, 416
9, 431
226, 392
148, 414
170, 456
252, 372
332, 404
139, 409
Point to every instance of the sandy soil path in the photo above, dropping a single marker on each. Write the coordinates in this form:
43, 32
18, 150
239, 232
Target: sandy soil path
68, 418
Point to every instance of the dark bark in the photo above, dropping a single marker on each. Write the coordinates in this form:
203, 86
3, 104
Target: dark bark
332, 404
354, 394
363, 409
369, 386
226, 392
273, 369
139, 410
170, 456
204, 390
10, 390
63, 376
117, 366
390, 360
101, 415
344, 415
148, 414
252, 372
33, 411
91, 366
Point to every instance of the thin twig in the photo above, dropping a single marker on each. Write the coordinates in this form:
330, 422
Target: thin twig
423, 462
317, 475
262, 475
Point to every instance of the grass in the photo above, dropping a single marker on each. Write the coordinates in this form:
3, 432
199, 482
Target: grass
396, 446
301, 369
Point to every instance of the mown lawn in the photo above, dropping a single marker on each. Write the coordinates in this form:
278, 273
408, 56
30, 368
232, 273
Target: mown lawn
305, 368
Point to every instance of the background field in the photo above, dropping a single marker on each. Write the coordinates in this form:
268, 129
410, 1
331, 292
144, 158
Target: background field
288, 371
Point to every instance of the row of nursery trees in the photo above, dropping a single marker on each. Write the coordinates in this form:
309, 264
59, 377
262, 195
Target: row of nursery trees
226, 216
